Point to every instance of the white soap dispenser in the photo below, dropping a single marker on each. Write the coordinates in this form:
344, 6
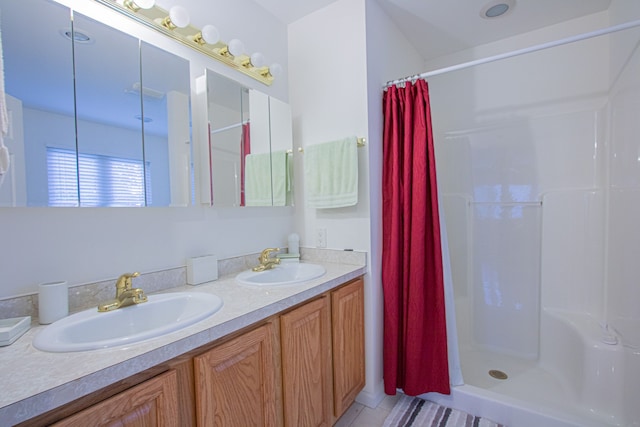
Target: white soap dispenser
294, 244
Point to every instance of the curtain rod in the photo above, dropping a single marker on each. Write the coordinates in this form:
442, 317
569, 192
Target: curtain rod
517, 52
235, 125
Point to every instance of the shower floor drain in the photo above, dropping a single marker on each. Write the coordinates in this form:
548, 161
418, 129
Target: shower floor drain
499, 375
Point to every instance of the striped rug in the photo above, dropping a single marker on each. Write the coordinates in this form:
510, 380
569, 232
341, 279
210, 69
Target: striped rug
413, 411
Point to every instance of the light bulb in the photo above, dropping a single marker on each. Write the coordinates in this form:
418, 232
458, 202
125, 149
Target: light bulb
236, 47
257, 59
275, 69
179, 16
136, 5
145, 4
210, 34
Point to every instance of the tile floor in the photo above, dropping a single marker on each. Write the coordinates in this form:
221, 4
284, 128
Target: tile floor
362, 416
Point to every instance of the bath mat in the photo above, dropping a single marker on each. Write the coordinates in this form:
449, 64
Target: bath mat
416, 412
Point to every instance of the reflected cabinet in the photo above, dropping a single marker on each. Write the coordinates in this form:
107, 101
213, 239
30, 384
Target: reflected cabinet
96, 117
249, 145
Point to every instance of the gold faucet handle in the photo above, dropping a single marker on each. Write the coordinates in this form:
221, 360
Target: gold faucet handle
124, 281
139, 297
264, 255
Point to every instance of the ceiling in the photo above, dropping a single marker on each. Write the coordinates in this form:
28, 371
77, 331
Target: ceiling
440, 27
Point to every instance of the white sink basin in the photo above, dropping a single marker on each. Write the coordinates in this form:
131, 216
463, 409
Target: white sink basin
161, 314
283, 274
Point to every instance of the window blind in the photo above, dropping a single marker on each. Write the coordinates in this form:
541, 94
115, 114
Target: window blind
104, 180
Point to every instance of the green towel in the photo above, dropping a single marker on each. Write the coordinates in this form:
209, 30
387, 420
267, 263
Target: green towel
257, 180
331, 173
280, 178
267, 179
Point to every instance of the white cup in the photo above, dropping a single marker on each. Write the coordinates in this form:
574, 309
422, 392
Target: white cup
53, 301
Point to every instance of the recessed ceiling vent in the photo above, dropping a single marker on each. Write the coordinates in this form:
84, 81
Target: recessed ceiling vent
497, 8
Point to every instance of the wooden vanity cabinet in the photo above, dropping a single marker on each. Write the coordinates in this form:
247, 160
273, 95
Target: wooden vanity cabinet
306, 365
237, 383
151, 403
323, 356
302, 367
347, 314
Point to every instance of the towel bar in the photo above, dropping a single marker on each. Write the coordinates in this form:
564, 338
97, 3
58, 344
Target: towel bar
361, 143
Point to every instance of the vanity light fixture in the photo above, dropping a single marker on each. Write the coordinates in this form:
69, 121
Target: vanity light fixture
236, 47
208, 34
257, 59
276, 69
233, 49
136, 5
178, 18
176, 24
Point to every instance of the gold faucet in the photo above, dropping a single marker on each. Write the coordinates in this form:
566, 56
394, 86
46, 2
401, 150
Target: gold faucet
125, 294
267, 263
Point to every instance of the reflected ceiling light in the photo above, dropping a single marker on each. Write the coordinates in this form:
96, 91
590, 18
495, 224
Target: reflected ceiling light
147, 92
78, 36
178, 18
136, 5
208, 34
144, 119
497, 8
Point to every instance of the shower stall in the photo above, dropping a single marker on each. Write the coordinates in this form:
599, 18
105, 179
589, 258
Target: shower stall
538, 161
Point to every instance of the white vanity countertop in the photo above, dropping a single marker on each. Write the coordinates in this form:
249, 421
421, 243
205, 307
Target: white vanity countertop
34, 382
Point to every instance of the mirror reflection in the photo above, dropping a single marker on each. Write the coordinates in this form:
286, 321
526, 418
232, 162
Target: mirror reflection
229, 138
117, 147
166, 106
39, 96
281, 140
250, 145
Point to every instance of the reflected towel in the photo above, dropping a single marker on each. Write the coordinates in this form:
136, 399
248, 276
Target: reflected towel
267, 179
257, 180
280, 176
331, 173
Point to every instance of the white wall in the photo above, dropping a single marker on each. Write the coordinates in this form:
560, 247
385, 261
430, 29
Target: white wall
337, 71
328, 95
85, 245
389, 56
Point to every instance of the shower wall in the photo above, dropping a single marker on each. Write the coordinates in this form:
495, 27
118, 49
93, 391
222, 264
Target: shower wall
623, 302
521, 168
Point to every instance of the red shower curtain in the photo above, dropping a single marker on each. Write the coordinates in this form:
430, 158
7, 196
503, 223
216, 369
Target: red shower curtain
415, 336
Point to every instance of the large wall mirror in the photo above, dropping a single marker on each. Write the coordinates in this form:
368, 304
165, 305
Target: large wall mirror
97, 117
250, 145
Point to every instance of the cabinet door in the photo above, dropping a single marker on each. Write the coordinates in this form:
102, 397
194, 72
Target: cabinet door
237, 382
347, 312
152, 403
306, 365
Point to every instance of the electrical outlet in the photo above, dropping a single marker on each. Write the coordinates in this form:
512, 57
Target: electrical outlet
321, 238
